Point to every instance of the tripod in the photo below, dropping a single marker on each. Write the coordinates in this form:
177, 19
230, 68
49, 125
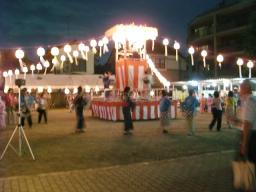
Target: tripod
21, 135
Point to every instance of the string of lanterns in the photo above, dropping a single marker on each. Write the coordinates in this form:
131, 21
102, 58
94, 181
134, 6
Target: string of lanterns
120, 41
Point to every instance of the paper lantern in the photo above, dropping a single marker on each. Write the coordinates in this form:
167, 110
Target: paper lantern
204, 54
165, 43
191, 51
240, 62
68, 49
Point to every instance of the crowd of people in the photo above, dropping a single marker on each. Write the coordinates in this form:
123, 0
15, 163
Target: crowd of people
9, 107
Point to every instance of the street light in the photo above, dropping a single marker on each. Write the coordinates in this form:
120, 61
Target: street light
240, 62
204, 54
250, 66
191, 51
220, 59
176, 46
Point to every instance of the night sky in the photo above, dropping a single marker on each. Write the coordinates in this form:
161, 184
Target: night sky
31, 23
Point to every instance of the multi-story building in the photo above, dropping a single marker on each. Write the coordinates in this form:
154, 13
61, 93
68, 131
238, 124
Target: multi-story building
221, 31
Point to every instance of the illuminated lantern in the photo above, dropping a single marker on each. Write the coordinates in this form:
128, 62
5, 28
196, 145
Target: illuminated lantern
32, 68
16, 72
55, 52
49, 90
240, 62
66, 91
152, 93
39, 67
97, 89
63, 59
93, 44
81, 48
40, 89
68, 49
55, 62
100, 44
191, 51
204, 54
87, 89
220, 59
250, 66
46, 65
75, 55
10, 74
5, 74
176, 46
41, 53
25, 70
165, 43
20, 55
105, 44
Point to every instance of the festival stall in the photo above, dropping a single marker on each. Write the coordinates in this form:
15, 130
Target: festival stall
132, 71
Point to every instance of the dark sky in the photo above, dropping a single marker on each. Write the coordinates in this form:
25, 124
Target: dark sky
46, 22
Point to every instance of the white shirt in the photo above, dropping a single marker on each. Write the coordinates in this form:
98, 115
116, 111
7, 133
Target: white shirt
249, 110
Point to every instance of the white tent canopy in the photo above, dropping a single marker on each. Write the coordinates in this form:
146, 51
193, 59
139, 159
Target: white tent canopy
56, 81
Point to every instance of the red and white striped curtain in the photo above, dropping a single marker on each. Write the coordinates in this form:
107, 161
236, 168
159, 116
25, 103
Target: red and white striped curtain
130, 72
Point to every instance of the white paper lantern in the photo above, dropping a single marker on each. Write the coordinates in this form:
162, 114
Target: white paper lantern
165, 43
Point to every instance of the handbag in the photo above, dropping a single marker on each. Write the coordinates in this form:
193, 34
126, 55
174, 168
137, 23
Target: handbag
244, 175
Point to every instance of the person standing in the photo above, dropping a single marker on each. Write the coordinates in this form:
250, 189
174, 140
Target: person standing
165, 105
230, 108
209, 103
79, 103
248, 137
2, 114
42, 107
189, 109
203, 102
128, 106
25, 111
10, 102
216, 111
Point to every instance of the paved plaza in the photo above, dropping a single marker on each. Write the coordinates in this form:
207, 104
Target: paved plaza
102, 159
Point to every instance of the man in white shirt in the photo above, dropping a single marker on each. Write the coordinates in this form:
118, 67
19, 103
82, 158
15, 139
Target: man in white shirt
248, 139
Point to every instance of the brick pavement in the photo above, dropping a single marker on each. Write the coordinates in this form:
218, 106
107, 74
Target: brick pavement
206, 172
